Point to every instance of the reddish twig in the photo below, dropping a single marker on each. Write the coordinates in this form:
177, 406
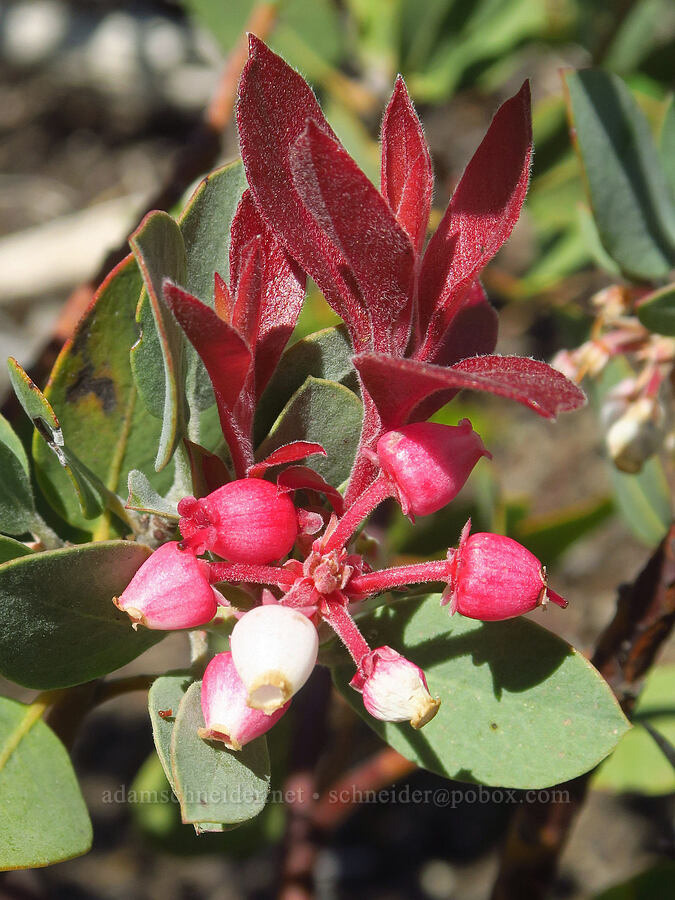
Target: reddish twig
626, 650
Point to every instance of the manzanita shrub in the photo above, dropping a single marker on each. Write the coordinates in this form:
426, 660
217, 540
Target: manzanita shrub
268, 462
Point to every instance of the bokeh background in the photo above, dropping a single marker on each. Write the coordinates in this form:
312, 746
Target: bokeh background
98, 100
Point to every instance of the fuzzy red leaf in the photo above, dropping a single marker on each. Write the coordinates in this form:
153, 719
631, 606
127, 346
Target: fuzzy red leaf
377, 252
302, 478
281, 294
480, 216
275, 105
292, 452
222, 299
208, 471
228, 362
406, 175
398, 386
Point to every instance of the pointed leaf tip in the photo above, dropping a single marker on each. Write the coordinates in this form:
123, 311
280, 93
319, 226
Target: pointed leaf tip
480, 216
406, 172
398, 386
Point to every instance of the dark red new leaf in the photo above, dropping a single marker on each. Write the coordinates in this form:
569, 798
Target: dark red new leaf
480, 216
208, 471
302, 478
281, 294
406, 175
360, 225
248, 293
289, 453
222, 299
228, 362
398, 386
275, 105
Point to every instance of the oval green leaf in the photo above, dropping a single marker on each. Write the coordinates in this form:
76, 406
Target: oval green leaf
58, 625
520, 708
325, 354
630, 196
657, 311
322, 412
44, 819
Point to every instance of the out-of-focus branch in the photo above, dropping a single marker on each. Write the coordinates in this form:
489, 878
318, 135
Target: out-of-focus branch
627, 648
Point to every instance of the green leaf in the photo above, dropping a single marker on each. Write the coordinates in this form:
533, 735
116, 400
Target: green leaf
91, 493
629, 193
215, 784
657, 311
44, 819
656, 883
325, 354
92, 389
520, 708
17, 506
638, 765
11, 549
667, 142
58, 625
166, 695
159, 249
144, 498
644, 501
326, 413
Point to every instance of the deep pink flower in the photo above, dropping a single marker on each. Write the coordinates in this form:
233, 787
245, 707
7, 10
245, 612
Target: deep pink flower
493, 577
429, 463
245, 521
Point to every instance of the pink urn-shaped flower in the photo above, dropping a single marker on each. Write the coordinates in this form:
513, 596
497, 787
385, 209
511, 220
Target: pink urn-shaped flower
227, 716
170, 590
429, 463
245, 521
274, 649
394, 689
493, 577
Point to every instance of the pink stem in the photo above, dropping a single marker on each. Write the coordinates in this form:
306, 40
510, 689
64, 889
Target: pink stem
378, 491
244, 572
334, 611
376, 582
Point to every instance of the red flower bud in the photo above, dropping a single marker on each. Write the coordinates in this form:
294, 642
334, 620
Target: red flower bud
245, 521
493, 577
429, 463
227, 716
170, 590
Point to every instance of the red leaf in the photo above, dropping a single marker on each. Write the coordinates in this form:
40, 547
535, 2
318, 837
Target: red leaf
472, 332
228, 362
358, 222
398, 386
302, 478
282, 289
222, 299
288, 453
480, 216
246, 311
209, 472
406, 174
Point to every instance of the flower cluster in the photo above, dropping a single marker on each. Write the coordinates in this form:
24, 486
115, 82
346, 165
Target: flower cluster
636, 411
421, 328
